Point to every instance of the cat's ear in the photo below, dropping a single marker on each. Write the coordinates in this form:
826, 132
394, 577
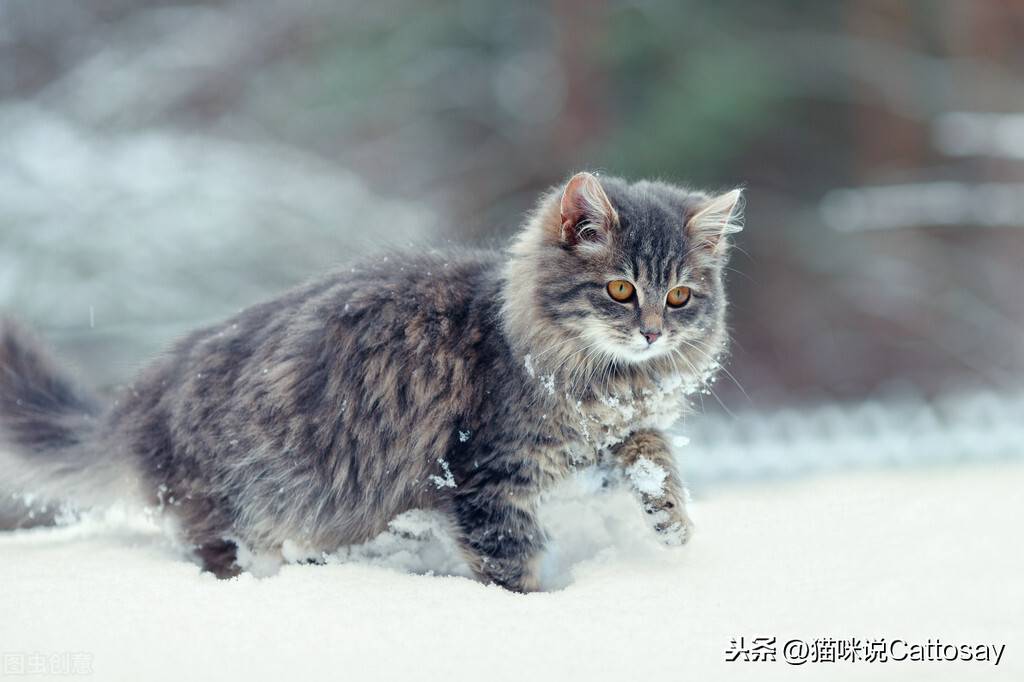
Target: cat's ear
716, 219
586, 212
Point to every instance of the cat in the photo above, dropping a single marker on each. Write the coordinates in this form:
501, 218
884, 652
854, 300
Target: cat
467, 382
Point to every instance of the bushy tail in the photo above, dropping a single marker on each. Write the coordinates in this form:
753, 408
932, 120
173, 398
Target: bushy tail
49, 450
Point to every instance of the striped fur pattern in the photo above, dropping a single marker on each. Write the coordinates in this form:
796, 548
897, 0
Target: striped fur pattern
464, 381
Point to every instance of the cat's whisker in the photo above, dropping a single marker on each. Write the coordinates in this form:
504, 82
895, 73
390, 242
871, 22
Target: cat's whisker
600, 361
540, 371
605, 378
582, 356
706, 385
582, 366
741, 274
557, 345
578, 356
606, 375
555, 373
696, 374
721, 367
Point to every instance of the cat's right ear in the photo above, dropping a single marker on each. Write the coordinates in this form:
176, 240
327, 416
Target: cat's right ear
586, 213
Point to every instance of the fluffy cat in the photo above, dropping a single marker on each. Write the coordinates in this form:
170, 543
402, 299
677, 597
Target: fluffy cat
467, 382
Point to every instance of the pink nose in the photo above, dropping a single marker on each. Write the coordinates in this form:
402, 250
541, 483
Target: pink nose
651, 336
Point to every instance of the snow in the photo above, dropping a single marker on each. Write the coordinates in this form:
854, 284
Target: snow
674, 535
647, 477
911, 554
446, 481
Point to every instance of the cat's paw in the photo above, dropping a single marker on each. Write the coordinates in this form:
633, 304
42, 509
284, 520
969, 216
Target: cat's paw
670, 522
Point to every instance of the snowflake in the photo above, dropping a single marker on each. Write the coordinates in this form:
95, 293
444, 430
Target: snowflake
448, 481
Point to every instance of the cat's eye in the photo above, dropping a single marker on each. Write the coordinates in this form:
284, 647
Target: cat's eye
678, 297
621, 290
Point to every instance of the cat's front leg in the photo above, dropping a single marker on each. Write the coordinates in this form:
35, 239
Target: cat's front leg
500, 536
646, 460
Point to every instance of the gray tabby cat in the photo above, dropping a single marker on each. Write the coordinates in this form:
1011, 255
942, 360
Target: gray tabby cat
466, 382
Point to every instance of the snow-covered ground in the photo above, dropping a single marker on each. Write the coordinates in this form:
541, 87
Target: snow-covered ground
928, 553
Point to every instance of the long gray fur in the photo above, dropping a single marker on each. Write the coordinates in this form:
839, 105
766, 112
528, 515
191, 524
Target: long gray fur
467, 382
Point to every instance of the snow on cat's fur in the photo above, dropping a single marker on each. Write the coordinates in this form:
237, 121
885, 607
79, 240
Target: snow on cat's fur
466, 382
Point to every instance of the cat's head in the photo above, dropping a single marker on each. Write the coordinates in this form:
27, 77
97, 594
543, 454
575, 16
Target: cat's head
628, 274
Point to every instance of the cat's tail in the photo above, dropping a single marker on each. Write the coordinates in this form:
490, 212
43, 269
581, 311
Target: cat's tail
50, 450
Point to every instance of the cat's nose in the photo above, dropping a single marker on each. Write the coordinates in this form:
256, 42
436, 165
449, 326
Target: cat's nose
651, 335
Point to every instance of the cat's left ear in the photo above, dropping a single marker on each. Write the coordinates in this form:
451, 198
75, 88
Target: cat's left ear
715, 220
586, 213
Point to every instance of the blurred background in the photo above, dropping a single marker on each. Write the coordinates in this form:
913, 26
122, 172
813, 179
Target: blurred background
164, 164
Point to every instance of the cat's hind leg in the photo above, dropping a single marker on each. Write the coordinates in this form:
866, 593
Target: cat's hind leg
207, 529
219, 557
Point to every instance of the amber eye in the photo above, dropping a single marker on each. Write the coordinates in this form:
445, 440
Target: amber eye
678, 297
620, 290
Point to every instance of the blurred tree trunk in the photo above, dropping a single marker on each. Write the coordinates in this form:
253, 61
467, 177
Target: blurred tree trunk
579, 26
884, 139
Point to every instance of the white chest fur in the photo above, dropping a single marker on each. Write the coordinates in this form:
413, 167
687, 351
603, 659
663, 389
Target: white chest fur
608, 417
